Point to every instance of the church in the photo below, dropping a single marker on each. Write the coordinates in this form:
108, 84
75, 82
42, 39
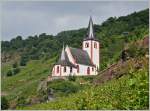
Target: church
80, 62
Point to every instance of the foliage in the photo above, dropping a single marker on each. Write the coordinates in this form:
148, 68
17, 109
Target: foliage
4, 103
109, 34
26, 81
135, 50
72, 78
128, 92
62, 87
21, 101
9, 73
15, 65
23, 60
16, 71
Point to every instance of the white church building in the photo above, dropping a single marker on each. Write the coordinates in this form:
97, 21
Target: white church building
80, 62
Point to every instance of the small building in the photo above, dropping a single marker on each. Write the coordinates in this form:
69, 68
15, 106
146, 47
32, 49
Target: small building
80, 62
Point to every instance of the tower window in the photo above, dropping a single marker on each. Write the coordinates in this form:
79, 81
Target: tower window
86, 45
57, 69
70, 69
95, 45
65, 69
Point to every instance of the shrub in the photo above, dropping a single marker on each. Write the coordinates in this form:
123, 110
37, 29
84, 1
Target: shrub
71, 78
22, 62
21, 101
16, 70
15, 65
4, 103
63, 87
9, 73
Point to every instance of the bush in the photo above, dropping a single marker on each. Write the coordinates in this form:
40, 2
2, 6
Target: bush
72, 78
22, 62
63, 87
15, 65
4, 103
9, 73
21, 101
16, 70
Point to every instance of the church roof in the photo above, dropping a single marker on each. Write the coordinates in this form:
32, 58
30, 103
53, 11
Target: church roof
90, 33
63, 60
81, 56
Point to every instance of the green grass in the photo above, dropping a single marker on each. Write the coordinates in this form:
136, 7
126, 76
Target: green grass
128, 92
27, 80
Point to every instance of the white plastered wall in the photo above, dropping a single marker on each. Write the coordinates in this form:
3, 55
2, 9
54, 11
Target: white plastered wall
95, 51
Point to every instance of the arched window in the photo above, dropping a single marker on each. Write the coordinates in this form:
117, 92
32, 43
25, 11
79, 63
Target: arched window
65, 69
92, 69
77, 68
86, 45
70, 69
57, 69
88, 70
95, 45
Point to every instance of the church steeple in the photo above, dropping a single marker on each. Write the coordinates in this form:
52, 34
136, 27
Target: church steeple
62, 54
90, 32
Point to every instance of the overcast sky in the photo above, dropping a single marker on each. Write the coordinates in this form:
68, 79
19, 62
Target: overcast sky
33, 18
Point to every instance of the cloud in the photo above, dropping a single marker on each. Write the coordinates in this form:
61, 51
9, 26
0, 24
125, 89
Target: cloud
31, 18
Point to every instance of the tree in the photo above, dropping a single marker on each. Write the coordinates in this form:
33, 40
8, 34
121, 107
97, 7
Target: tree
23, 61
9, 73
15, 65
16, 70
4, 103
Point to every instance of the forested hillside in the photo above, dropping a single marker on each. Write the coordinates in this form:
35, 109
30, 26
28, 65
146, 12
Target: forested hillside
110, 34
26, 63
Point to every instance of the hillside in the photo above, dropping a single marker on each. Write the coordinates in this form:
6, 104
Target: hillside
27, 63
109, 33
127, 92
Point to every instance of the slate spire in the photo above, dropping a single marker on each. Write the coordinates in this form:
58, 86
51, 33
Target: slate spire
90, 29
63, 54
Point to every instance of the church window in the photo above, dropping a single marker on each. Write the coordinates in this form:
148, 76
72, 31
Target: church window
88, 70
70, 69
57, 69
77, 68
95, 45
86, 45
92, 69
65, 69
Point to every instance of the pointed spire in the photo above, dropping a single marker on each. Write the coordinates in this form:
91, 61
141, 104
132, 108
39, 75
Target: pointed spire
90, 29
63, 53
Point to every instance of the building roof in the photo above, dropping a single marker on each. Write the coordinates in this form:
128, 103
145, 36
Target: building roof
81, 56
63, 60
90, 33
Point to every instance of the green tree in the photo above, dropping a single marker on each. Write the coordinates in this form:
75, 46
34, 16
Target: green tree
15, 71
15, 65
9, 73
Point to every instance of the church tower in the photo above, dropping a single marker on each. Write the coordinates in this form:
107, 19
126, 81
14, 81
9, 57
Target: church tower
92, 45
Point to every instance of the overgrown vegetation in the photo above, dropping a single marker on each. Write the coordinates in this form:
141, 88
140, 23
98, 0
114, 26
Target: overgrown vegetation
4, 103
128, 92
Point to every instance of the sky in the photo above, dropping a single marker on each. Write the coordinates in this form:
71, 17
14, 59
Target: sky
29, 18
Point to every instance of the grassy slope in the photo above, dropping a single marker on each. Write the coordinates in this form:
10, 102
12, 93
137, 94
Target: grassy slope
26, 81
128, 92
